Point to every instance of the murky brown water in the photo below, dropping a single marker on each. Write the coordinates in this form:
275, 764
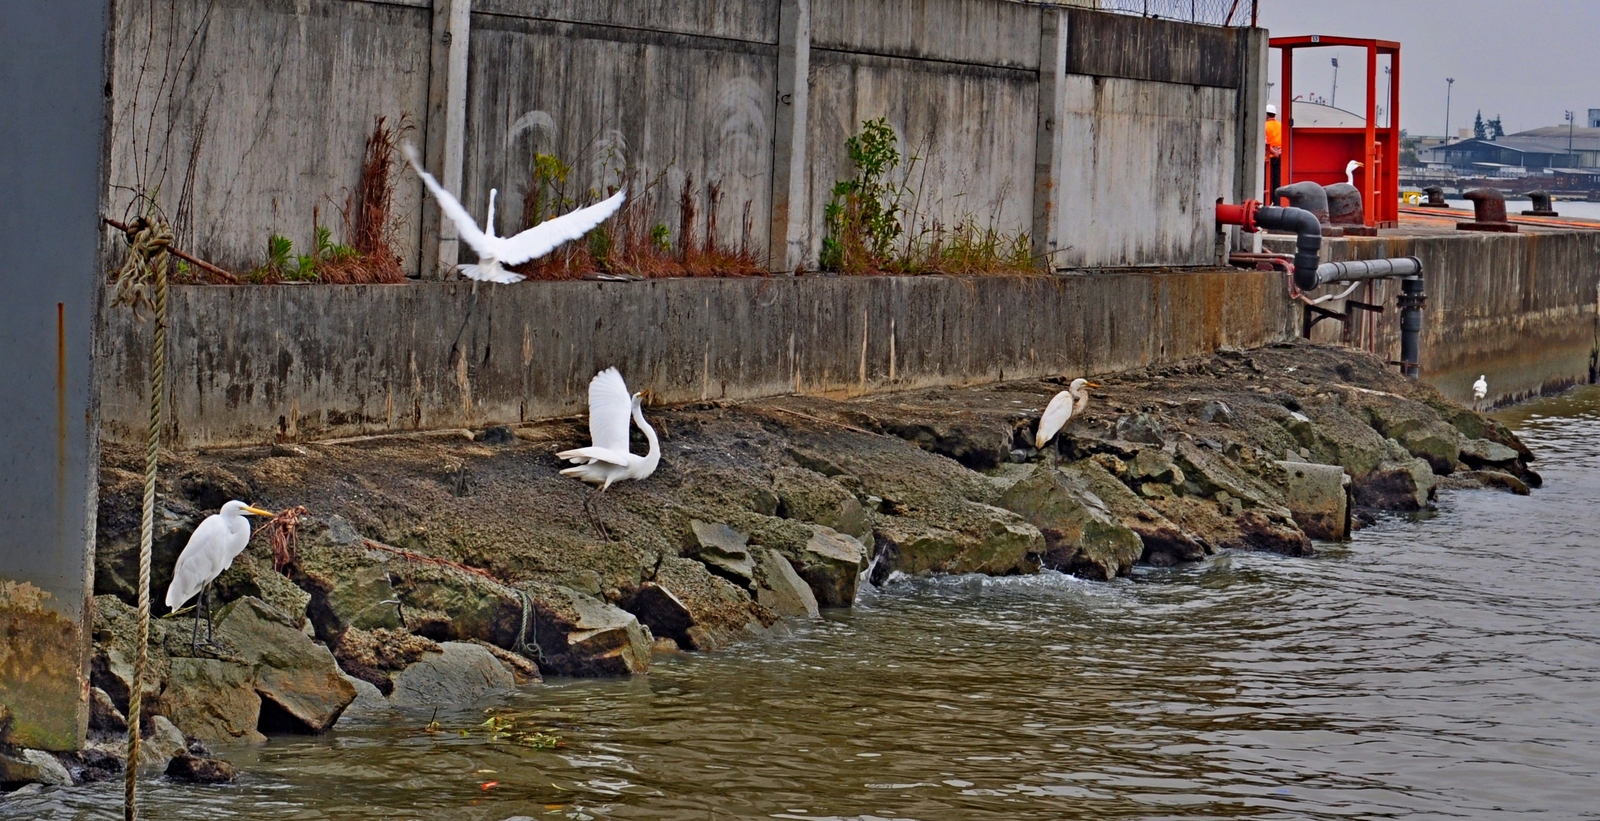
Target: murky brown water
1438, 668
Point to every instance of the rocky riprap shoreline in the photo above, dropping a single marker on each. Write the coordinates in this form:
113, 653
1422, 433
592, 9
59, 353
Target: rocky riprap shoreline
435, 569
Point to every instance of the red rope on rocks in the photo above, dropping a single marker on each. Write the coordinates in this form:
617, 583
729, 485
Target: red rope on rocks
283, 535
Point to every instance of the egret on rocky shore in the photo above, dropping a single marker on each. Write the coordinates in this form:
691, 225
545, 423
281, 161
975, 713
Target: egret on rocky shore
1480, 388
495, 252
609, 459
211, 550
1062, 408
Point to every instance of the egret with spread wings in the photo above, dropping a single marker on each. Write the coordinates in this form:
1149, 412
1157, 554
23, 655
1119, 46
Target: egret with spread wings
496, 252
609, 459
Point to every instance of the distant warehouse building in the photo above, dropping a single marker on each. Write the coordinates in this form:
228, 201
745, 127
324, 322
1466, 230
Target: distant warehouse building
1523, 152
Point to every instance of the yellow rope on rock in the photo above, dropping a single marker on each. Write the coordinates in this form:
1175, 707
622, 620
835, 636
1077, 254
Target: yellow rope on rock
146, 267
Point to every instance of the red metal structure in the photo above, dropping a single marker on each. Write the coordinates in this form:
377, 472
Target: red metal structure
1321, 154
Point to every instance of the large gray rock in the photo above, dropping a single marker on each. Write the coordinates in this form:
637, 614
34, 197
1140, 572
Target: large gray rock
720, 612
1081, 535
831, 563
1482, 453
298, 679
365, 599
579, 635
1415, 426
991, 540
52, 773
252, 575
459, 674
161, 740
216, 700
809, 496
1319, 497
1405, 485
724, 551
369, 701
780, 589
1164, 543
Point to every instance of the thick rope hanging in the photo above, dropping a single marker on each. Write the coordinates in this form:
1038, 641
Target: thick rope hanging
145, 268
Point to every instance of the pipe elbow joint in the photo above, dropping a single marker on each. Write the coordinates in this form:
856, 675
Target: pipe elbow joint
1308, 241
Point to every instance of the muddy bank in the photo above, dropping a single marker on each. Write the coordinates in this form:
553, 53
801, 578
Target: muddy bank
441, 568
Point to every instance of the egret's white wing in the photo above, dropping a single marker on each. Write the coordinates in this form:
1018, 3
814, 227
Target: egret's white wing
489, 274
610, 405
543, 238
1054, 419
203, 559
483, 244
615, 457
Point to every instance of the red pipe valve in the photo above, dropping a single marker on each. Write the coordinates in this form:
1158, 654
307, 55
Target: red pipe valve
1241, 215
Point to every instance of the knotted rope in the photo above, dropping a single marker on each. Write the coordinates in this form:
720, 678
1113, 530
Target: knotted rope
144, 270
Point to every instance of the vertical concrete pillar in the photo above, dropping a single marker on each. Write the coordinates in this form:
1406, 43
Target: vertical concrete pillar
786, 245
446, 131
1251, 124
1047, 138
52, 116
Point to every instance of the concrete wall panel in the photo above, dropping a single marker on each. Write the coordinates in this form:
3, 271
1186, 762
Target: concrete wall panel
1142, 163
750, 20
262, 364
246, 115
1144, 48
971, 128
980, 32
610, 101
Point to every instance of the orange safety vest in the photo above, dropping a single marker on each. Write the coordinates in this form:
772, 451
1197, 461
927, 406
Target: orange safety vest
1274, 138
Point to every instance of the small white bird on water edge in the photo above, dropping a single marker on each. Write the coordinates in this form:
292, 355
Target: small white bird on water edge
496, 252
1060, 411
211, 550
1480, 388
608, 459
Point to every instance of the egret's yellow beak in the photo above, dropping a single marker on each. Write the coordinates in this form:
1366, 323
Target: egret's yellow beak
1092, 384
256, 511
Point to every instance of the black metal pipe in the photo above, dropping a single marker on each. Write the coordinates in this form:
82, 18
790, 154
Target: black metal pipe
1308, 243
1412, 298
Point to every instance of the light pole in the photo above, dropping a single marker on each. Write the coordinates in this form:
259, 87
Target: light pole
1335, 101
1570, 119
1388, 90
1449, 82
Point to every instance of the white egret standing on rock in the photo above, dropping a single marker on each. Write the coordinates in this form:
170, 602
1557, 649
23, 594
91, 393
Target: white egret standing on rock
608, 459
1480, 388
1061, 409
211, 549
495, 252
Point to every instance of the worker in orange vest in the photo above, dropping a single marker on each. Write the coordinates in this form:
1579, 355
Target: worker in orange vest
1274, 152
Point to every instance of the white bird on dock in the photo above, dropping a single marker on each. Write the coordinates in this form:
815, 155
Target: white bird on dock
1350, 171
1480, 388
608, 459
211, 550
495, 252
1061, 409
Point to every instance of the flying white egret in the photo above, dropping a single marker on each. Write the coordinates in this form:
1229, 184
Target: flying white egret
1480, 388
211, 549
608, 459
494, 252
1061, 409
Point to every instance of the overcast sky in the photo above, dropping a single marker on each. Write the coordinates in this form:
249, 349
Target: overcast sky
1527, 60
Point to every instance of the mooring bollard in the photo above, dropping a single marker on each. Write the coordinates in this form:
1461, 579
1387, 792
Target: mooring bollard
1435, 198
1542, 206
1490, 207
1346, 211
1308, 196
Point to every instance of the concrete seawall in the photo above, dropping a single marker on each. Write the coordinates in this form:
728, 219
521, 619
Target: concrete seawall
253, 365
1520, 309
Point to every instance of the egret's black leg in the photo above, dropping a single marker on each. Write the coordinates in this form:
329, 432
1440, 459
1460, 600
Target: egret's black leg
194, 636
205, 599
594, 513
